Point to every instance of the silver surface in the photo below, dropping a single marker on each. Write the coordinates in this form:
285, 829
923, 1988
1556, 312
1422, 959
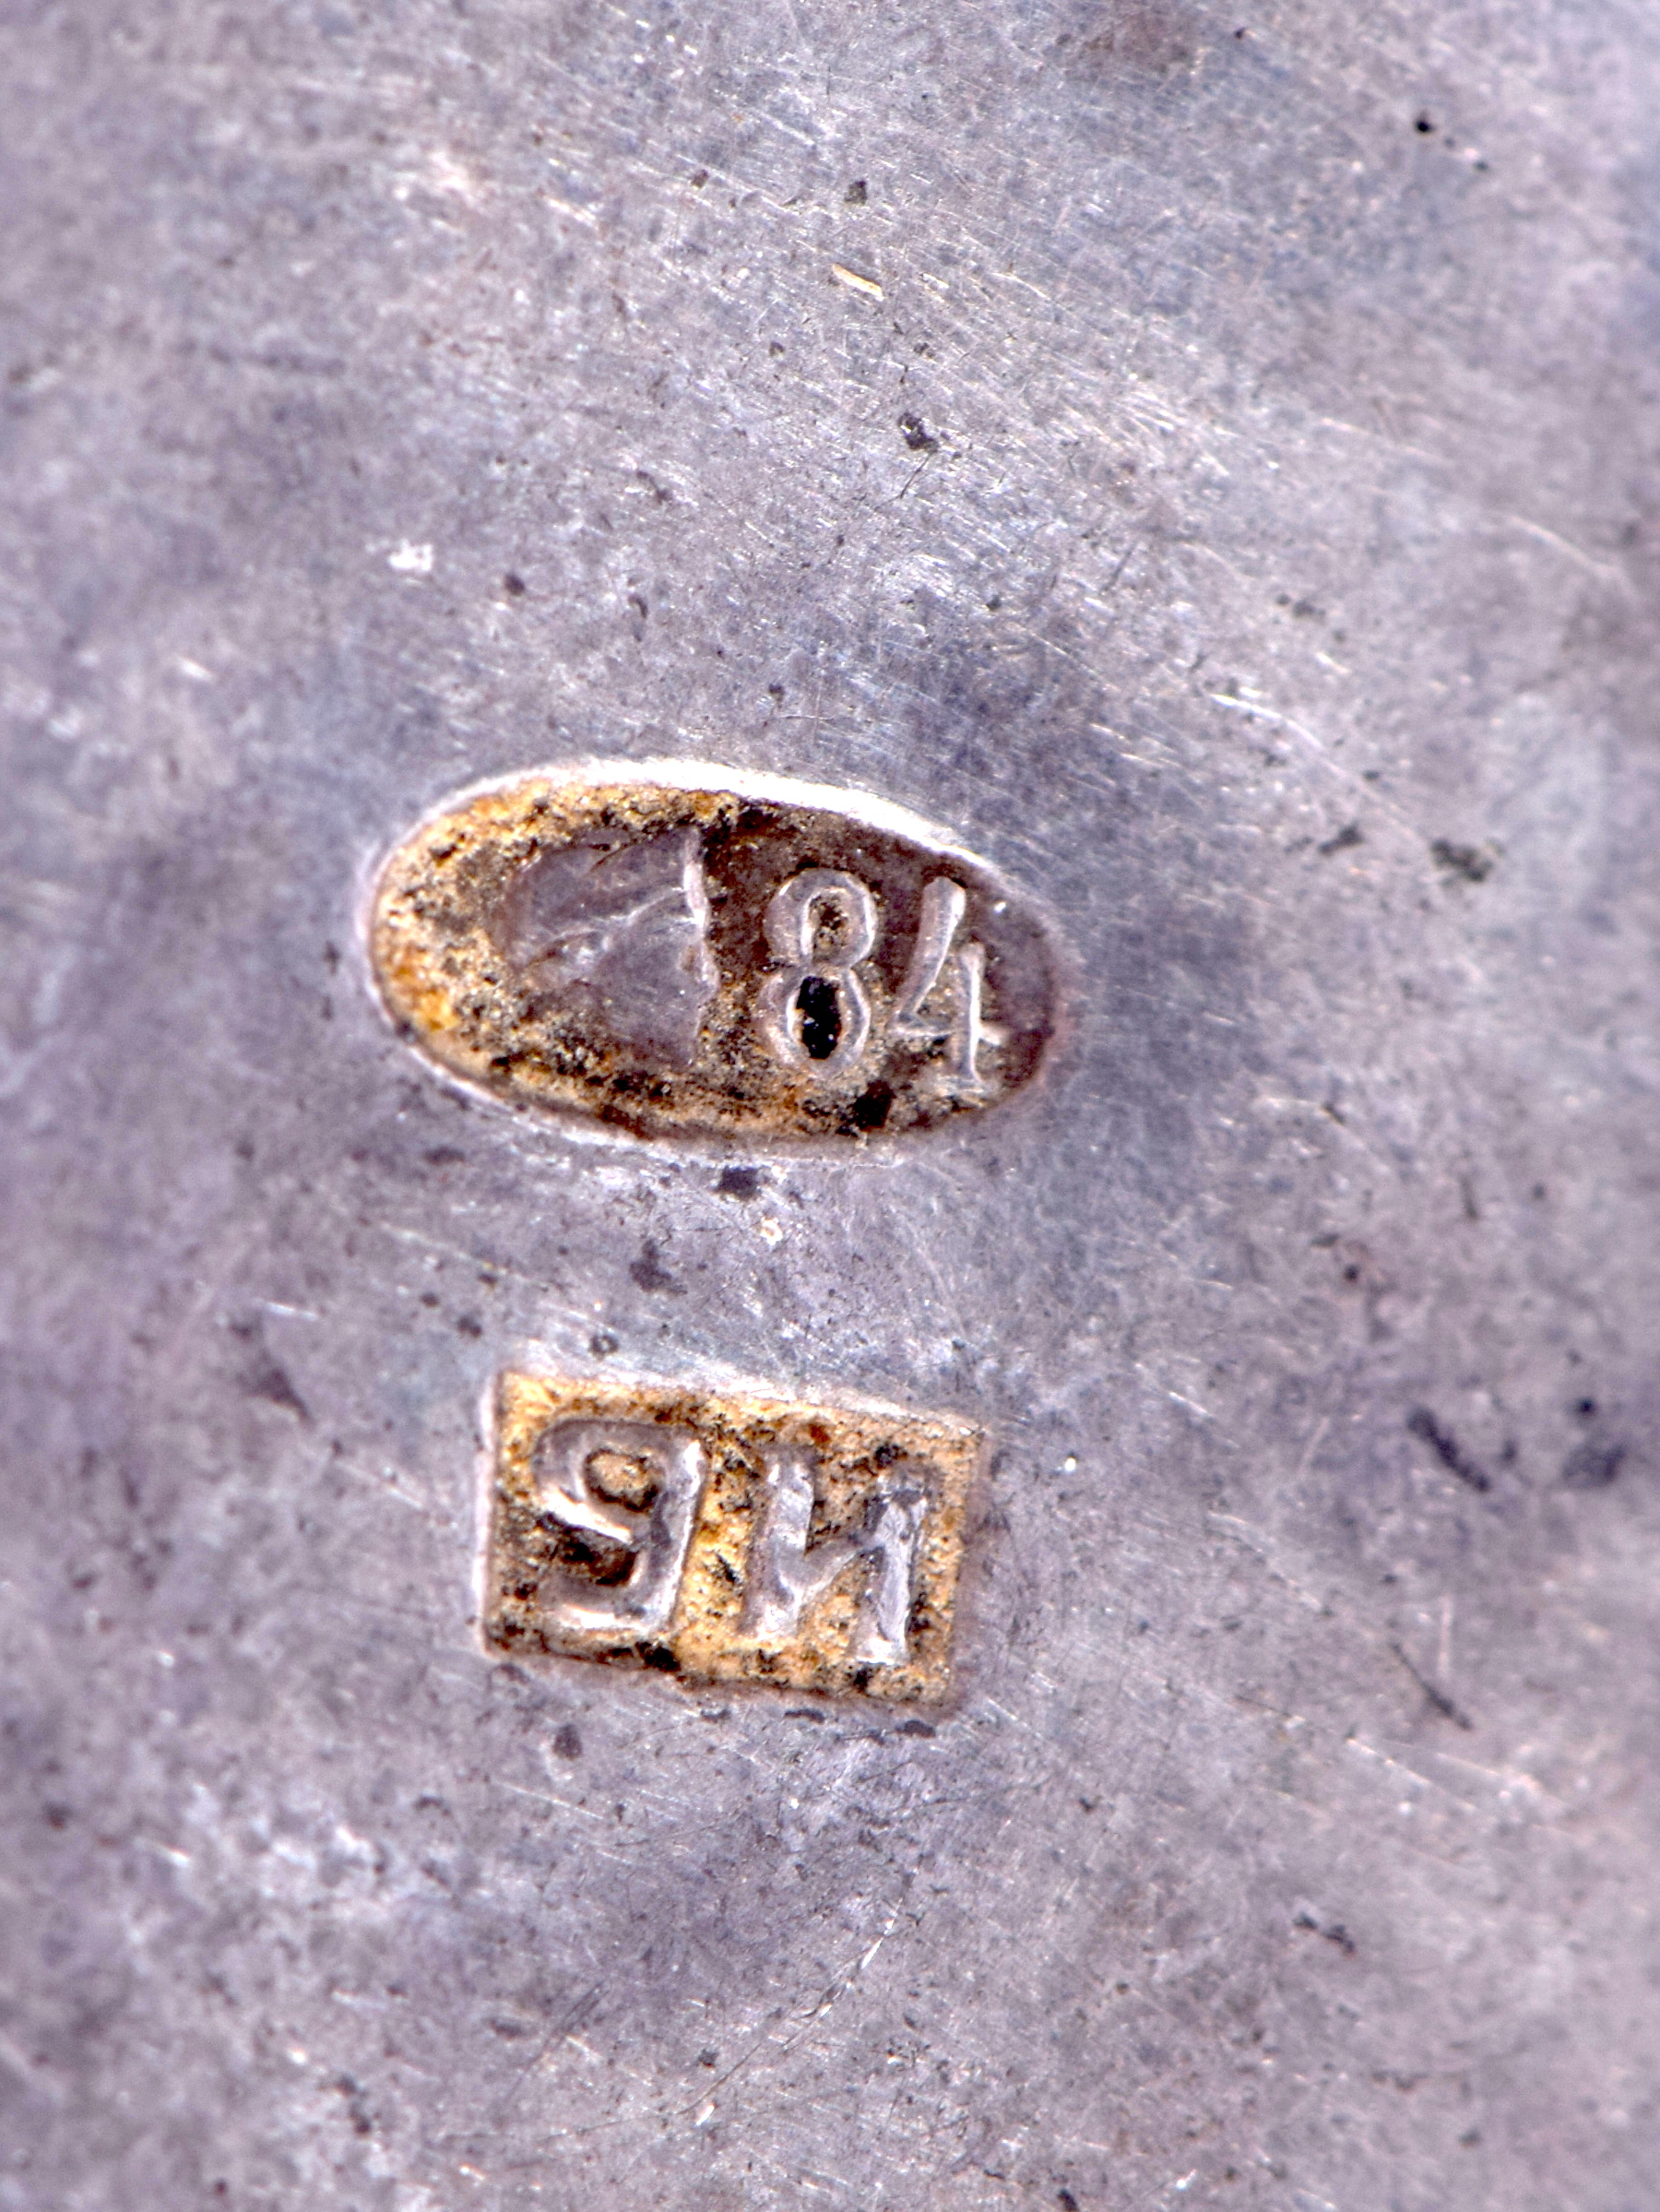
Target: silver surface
1225, 459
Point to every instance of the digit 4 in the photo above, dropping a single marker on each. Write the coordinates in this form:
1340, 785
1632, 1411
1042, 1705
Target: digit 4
945, 903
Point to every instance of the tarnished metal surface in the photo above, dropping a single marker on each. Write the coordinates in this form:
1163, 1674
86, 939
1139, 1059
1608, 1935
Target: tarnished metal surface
1204, 461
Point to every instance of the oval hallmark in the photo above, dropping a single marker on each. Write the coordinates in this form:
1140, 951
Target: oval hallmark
672, 950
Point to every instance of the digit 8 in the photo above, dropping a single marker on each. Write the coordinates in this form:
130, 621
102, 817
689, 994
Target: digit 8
815, 1011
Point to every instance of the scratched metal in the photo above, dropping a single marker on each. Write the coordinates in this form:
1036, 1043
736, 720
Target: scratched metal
1203, 460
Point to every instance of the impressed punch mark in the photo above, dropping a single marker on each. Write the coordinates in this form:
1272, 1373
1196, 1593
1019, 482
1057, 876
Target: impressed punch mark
725, 1538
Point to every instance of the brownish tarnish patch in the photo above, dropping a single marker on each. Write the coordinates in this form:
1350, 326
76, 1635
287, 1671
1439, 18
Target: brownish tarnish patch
674, 958
688, 1483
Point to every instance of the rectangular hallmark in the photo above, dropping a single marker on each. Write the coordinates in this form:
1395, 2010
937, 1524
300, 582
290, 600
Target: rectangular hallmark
725, 1538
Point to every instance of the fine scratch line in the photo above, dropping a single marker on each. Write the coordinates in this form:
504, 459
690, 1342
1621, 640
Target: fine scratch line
1437, 1697
855, 282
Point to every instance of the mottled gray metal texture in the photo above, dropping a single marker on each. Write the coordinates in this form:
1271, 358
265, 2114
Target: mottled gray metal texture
1234, 515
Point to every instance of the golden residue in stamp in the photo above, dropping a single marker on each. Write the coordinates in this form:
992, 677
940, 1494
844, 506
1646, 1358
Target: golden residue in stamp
672, 958
648, 1524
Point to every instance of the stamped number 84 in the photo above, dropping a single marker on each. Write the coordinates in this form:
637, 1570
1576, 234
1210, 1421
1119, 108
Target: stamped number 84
815, 1008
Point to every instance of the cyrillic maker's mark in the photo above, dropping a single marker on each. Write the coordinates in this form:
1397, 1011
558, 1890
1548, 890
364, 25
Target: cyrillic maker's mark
807, 1546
